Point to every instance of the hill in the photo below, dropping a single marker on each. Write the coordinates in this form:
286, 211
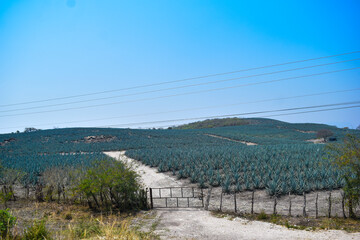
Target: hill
254, 146
213, 123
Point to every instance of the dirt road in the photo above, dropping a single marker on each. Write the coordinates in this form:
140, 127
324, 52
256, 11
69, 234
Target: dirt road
200, 224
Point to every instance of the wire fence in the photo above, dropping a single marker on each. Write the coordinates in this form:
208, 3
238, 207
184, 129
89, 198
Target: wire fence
315, 204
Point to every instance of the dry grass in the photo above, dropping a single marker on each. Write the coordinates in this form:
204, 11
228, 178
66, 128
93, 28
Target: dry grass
78, 222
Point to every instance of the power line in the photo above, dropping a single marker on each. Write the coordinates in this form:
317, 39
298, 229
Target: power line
182, 94
192, 109
237, 114
286, 114
180, 80
184, 86
320, 110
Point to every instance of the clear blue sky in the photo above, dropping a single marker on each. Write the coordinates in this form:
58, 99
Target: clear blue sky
58, 48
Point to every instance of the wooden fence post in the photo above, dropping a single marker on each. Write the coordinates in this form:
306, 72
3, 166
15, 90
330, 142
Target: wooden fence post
202, 197
343, 203
275, 203
208, 199
235, 201
146, 198
151, 199
221, 196
304, 206
316, 206
289, 204
252, 202
329, 211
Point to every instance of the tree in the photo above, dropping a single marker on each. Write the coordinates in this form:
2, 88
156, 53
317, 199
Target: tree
347, 157
30, 129
112, 185
324, 133
358, 128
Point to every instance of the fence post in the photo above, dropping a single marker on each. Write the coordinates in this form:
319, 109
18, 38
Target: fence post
221, 199
146, 197
252, 201
208, 199
151, 199
235, 201
275, 203
202, 197
329, 211
343, 203
316, 206
304, 206
289, 204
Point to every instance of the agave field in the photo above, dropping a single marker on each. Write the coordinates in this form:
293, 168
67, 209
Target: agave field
280, 169
282, 162
32, 166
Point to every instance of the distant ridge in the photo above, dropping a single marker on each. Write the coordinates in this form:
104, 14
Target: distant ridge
227, 122
214, 123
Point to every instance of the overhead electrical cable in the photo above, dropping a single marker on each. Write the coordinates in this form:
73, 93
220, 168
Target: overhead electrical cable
286, 114
190, 109
312, 111
182, 94
180, 80
233, 115
179, 87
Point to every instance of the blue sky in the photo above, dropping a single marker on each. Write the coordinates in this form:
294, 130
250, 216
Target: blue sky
58, 48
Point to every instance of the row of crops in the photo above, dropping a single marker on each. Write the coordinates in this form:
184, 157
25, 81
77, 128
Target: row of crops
37, 152
33, 166
73, 140
282, 161
270, 133
280, 169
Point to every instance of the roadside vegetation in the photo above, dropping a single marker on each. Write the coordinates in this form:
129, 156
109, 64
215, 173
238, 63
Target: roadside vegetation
101, 192
347, 156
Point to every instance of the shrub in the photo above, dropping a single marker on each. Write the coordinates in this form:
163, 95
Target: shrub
262, 216
37, 231
112, 185
347, 157
324, 134
7, 221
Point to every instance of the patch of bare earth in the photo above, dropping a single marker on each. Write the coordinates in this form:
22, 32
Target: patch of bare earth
6, 141
96, 139
230, 139
200, 224
316, 141
305, 131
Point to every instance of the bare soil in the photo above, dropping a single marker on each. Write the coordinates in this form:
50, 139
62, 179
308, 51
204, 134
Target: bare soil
230, 139
316, 141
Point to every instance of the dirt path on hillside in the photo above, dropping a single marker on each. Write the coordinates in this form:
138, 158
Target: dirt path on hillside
229, 139
200, 224
148, 176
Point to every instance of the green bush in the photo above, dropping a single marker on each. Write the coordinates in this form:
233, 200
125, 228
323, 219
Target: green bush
37, 231
110, 185
262, 216
7, 221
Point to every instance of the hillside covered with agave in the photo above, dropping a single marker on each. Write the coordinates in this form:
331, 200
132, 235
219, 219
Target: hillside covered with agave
282, 161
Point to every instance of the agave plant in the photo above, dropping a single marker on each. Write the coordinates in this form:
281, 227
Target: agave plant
226, 184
